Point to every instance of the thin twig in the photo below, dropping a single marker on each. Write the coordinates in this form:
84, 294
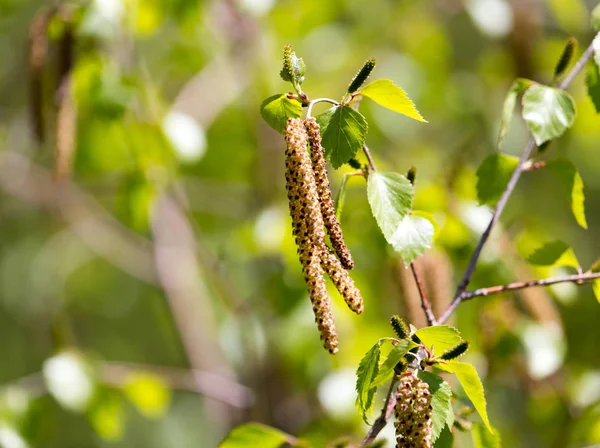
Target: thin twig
319, 100
369, 158
527, 152
386, 413
425, 304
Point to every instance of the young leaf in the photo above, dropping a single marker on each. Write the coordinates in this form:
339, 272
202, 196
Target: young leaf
469, 379
390, 197
517, 88
256, 434
107, 415
387, 94
482, 438
412, 237
293, 67
592, 81
365, 374
386, 369
440, 337
596, 283
573, 187
276, 110
565, 57
493, 175
343, 132
440, 401
554, 253
148, 393
548, 112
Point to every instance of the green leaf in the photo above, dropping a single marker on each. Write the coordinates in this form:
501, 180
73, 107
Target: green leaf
548, 112
254, 435
107, 416
386, 369
390, 197
446, 439
387, 94
482, 438
517, 88
440, 337
596, 45
343, 132
573, 187
493, 175
469, 379
440, 401
412, 237
592, 81
596, 18
596, 283
148, 393
365, 374
552, 254
276, 110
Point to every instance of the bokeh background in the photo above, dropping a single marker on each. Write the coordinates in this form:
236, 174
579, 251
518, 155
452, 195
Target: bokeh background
157, 295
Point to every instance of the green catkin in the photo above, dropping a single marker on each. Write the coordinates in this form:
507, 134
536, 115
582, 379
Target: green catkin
456, 351
362, 75
342, 281
307, 224
413, 413
327, 209
293, 67
566, 57
400, 327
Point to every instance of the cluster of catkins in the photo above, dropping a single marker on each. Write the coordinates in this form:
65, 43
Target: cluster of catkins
413, 413
312, 211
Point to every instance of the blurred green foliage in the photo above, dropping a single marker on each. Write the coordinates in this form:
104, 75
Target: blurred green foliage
179, 254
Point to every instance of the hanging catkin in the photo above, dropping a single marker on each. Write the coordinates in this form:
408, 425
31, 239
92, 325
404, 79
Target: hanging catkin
327, 209
307, 223
342, 281
413, 413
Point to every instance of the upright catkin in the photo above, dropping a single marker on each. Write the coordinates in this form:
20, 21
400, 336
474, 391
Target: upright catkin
307, 223
327, 209
413, 413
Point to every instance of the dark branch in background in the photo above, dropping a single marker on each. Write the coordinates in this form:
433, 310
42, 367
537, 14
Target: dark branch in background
527, 152
425, 304
386, 413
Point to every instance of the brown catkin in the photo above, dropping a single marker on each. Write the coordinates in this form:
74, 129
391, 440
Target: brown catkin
413, 413
327, 209
307, 223
342, 281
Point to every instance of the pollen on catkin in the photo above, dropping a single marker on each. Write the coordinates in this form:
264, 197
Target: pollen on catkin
342, 281
413, 413
307, 225
327, 208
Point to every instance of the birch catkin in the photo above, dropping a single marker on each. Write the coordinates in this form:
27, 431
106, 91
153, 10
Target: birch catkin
307, 222
327, 209
342, 281
413, 413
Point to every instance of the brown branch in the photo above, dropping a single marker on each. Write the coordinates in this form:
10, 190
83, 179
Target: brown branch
527, 152
386, 413
425, 304
369, 157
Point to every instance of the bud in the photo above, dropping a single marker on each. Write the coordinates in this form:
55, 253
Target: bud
327, 209
400, 327
565, 58
413, 413
362, 75
455, 352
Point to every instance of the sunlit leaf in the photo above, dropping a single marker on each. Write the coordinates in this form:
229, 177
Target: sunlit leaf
412, 237
387, 94
440, 337
552, 254
548, 112
255, 435
469, 379
365, 374
517, 88
390, 197
148, 393
592, 81
107, 416
573, 187
493, 175
596, 283
386, 368
343, 132
440, 401
276, 110
482, 438
596, 41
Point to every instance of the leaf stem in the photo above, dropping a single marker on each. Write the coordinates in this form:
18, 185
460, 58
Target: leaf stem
319, 100
527, 152
386, 413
